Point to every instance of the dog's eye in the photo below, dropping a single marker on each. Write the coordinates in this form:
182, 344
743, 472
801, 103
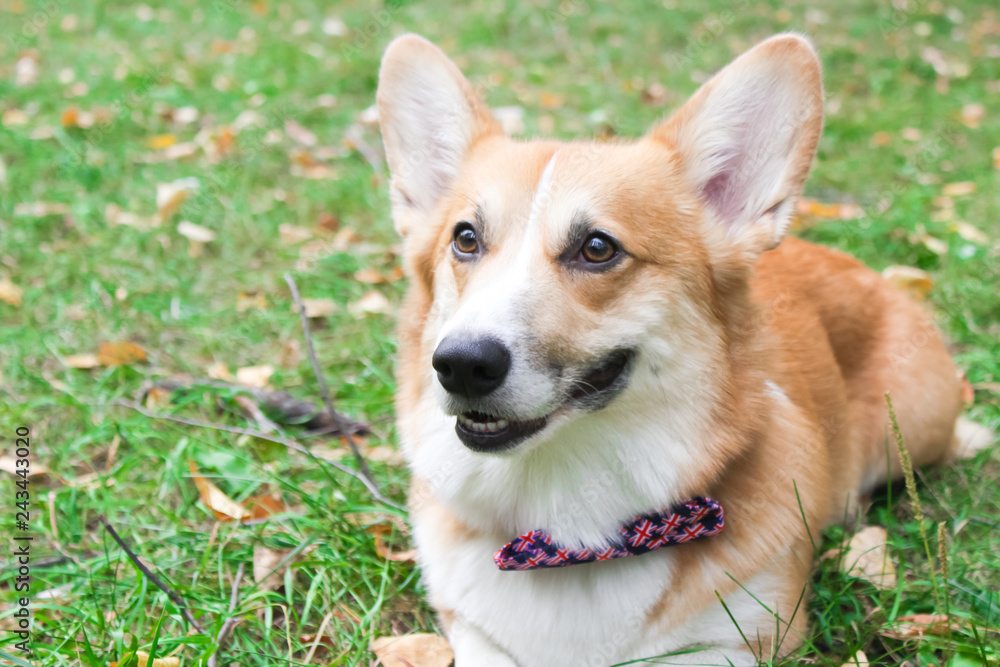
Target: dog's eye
464, 239
598, 249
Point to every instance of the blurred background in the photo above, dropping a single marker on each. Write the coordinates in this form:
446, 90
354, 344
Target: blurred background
164, 165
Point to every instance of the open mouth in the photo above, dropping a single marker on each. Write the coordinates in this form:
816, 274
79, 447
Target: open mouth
482, 432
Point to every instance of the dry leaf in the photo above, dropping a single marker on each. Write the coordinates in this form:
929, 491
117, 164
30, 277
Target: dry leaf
85, 360
157, 396
10, 293
919, 625
195, 232
551, 100
860, 660
881, 139
914, 281
224, 507
317, 307
972, 114
8, 464
380, 530
294, 234
370, 276
511, 119
120, 353
115, 216
254, 376
970, 233
12, 117
935, 245
372, 302
867, 558
911, 134
958, 189
219, 371
996, 157
416, 650
142, 660
300, 134
170, 196
264, 563
250, 300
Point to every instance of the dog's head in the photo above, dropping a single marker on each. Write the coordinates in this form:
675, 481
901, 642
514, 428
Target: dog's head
550, 277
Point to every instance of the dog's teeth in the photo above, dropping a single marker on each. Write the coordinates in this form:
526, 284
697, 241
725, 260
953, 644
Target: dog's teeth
479, 427
501, 423
491, 426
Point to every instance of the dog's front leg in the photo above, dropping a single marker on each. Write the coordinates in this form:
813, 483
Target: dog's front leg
473, 648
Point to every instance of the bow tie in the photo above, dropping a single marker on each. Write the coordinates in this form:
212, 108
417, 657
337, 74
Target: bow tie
695, 519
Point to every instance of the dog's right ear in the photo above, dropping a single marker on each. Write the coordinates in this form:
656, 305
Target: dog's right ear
430, 117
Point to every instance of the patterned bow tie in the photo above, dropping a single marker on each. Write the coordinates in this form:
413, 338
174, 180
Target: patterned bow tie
695, 519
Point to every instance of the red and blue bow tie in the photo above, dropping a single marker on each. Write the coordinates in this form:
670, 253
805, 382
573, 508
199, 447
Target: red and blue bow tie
695, 519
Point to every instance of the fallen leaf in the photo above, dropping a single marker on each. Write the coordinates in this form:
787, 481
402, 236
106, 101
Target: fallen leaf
911, 134
161, 141
655, 94
157, 396
291, 353
8, 464
317, 307
972, 114
115, 216
912, 280
859, 660
968, 391
970, 233
250, 300
370, 276
330, 223
958, 189
416, 650
254, 376
26, 70
996, 157
170, 196
142, 660
185, 115
219, 371
380, 530
12, 117
881, 139
120, 353
300, 134
85, 360
511, 119
224, 507
10, 293
264, 563
265, 506
197, 237
920, 625
935, 245
551, 100
293, 233
372, 302
867, 558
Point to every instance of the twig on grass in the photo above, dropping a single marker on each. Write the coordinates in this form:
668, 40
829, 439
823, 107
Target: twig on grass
174, 597
324, 391
263, 436
231, 621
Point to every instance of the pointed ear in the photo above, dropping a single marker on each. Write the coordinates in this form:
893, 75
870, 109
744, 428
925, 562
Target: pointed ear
430, 116
746, 139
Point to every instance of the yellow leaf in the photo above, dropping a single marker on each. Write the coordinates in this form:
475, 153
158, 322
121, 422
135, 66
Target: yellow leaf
10, 293
161, 141
294, 234
859, 660
918, 283
224, 507
416, 650
817, 209
970, 233
972, 114
219, 371
121, 353
552, 100
996, 157
935, 245
142, 660
85, 360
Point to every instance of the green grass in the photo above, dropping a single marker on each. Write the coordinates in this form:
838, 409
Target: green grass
577, 69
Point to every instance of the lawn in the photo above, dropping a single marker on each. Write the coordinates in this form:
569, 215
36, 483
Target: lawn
162, 167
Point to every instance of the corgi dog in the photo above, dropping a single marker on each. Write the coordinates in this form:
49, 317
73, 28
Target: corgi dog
628, 402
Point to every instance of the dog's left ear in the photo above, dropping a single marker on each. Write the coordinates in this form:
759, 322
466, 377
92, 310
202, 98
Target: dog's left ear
746, 139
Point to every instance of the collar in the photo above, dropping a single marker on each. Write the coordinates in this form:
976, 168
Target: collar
695, 519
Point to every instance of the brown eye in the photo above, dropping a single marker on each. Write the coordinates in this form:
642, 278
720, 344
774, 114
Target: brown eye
464, 239
598, 249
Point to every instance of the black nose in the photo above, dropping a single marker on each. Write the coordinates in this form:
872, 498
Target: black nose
471, 367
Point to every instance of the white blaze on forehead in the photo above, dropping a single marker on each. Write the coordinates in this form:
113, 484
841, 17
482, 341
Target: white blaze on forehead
543, 193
